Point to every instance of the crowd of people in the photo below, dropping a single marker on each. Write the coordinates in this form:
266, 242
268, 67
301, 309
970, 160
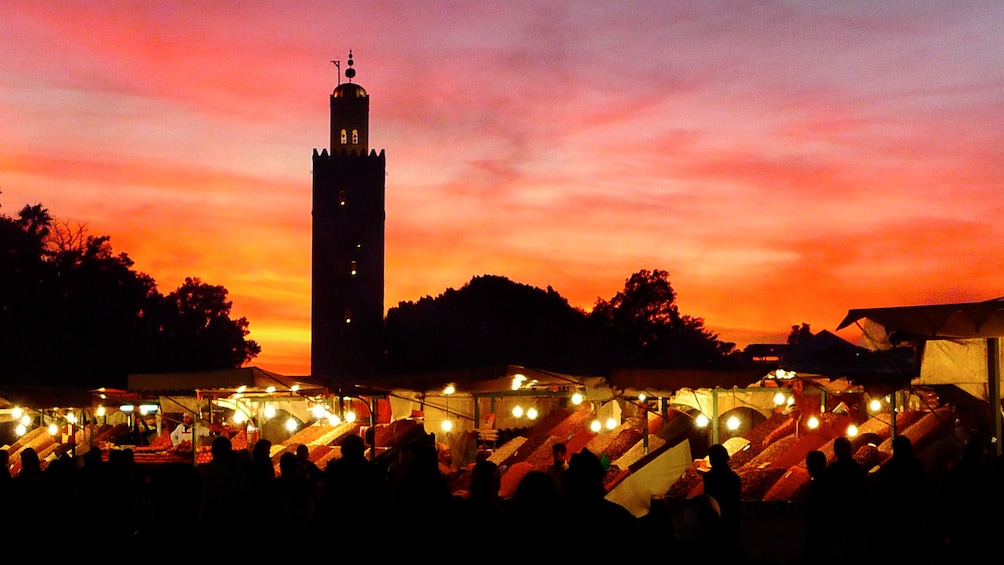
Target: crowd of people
407, 505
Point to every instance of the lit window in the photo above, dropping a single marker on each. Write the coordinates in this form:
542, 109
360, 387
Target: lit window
355, 137
348, 316
354, 268
345, 137
341, 198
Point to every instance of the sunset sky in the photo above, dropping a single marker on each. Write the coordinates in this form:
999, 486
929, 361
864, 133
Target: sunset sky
783, 161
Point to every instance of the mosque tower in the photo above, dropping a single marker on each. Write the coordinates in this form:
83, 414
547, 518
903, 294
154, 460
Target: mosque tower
347, 256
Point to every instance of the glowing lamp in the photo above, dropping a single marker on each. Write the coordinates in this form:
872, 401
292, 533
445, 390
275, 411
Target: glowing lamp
21, 429
100, 411
270, 390
812, 422
26, 420
291, 425
595, 426
447, 425
701, 421
350, 416
17, 412
577, 398
517, 411
319, 410
334, 420
53, 429
852, 430
875, 405
611, 423
531, 413
450, 389
239, 417
269, 411
732, 423
779, 399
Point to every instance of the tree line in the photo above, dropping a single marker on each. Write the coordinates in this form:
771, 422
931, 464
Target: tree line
72, 311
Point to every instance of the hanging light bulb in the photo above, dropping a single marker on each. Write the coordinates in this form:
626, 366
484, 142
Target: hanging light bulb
291, 425
595, 426
812, 423
350, 416
875, 405
577, 398
239, 417
447, 425
53, 429
269, 411
779, 398
732, 423
100, 411
334, 420
21, 429
531, 413
319, 410
450, 389
611, 423
517, 411
17, 412
852, 431
701, 421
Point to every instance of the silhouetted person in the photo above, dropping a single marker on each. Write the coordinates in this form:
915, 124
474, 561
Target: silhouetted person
902, 487
353, 490
817, 522
699, 537
293, 504
586, 507
29, 496
968, 488
481, 510
173, 504
422, 488
847, 487
657, 523
308, 468
226, 491
559, 462
724, 484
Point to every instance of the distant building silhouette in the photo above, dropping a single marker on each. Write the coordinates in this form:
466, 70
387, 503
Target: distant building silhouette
347, 259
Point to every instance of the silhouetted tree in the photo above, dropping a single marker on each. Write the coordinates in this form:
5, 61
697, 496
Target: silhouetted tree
196, 331
490, 320
799, 334
646, 330
74, 312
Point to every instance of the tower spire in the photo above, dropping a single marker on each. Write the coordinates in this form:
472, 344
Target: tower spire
350, 72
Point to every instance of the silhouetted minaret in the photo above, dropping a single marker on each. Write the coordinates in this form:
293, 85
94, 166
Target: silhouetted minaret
347, 258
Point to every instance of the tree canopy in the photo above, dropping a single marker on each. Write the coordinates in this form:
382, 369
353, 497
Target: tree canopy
72, 311
493, 320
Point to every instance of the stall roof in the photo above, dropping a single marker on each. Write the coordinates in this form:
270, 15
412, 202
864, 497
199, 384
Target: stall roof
968, 320
471, 381
45, 397
223, 380
668, 381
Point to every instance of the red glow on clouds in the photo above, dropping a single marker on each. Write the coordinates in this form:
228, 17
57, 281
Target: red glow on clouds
784, 164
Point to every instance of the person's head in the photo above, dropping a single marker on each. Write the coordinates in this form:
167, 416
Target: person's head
559, 451
701, 518
187, 419
29, 460
222, 448
815, 462
262, 450
302, 452
486, 480
842, 447
718, 455
288, 464
584, 476
353, 446
902, 446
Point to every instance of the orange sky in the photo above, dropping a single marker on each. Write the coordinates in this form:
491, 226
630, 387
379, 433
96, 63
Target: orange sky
784, 162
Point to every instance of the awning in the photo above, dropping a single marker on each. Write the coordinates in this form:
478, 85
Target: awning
935, 321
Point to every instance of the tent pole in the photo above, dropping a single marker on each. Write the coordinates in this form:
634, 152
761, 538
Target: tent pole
993, 388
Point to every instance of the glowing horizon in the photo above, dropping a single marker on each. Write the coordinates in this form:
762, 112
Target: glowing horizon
784, 162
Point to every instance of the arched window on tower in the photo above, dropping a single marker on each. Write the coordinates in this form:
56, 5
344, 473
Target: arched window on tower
345, 137
341, 198
348, 317
355, 137
353, 268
